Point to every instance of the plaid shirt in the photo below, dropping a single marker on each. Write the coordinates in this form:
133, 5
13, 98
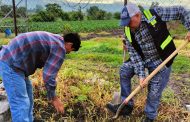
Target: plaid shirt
145, 40
33, 50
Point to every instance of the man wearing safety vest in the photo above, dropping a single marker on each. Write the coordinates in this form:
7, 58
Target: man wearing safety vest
149, 44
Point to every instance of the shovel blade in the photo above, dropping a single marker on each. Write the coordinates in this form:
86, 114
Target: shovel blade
116, 98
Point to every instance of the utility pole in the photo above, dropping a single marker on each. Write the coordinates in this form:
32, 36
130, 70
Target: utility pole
125, 2
14, 15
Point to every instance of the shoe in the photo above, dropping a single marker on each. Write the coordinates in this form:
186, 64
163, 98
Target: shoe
148, 120
125, 111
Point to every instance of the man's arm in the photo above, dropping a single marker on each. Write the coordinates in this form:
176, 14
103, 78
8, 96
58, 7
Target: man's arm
50, 71
175, 13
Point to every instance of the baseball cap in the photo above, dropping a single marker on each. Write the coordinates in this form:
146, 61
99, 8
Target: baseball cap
127, 12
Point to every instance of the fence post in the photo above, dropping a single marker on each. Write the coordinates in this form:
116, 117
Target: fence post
14, 15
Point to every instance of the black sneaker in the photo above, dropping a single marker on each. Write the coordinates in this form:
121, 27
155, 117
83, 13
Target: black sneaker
125, 111
148, 120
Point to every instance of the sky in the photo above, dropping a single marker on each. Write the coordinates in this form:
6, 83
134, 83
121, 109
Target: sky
185, 3
91, 1
108, 5
113, 1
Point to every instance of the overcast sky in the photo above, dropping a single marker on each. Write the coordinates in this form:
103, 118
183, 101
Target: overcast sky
108, 5
86, 1
112, 1
142, 2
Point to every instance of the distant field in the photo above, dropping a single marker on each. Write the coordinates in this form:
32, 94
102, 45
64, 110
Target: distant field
75, 26
176, 28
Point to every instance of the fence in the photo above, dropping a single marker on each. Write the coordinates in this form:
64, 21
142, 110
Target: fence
7, 15
61, 15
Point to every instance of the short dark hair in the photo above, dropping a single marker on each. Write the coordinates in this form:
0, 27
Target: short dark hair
73, 38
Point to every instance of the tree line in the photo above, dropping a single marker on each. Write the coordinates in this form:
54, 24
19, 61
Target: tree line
52, 12
5, 9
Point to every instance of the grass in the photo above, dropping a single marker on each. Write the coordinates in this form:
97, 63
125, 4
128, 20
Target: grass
75, 26
88, 79
181, 64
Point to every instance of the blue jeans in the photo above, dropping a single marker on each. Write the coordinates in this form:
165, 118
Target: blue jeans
19, 92
155, 86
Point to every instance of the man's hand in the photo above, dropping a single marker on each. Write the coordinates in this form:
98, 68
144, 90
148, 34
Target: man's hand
124, 47
124, 44
56, 102
142, 83
188, 36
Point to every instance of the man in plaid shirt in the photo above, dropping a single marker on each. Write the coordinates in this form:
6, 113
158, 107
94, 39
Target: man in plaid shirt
142, 43
22, 56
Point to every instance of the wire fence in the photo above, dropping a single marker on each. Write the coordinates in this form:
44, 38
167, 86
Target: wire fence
70, 15
7, 15
149, 3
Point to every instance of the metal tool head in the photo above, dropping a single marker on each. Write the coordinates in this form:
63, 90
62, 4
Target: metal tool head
116, 99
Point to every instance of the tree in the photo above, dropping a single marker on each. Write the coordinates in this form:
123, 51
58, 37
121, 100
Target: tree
116, 15
94, 13
5, 9
101, 15
76, 15
21, 12
91, 12
54, 9
65, 16
46, 16
43, 16
108, 16
36, 18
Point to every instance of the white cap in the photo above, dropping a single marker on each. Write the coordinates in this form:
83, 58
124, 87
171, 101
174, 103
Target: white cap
127, 12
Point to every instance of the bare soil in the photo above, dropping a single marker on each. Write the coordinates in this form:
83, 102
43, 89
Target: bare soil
180, 83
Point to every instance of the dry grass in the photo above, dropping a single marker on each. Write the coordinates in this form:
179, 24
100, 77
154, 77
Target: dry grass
85, 86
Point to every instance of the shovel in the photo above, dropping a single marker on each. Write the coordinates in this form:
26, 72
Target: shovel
149, 78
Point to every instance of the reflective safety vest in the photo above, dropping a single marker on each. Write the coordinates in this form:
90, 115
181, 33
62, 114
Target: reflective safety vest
160, 34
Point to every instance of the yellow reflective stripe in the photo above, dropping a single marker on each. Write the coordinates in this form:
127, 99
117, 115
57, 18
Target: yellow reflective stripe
149, 17
128, 33
153, 22
166, 42
147, 13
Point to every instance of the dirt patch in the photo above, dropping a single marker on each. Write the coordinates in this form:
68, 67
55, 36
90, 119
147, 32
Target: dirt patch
180, 83
120, 32
110, 33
